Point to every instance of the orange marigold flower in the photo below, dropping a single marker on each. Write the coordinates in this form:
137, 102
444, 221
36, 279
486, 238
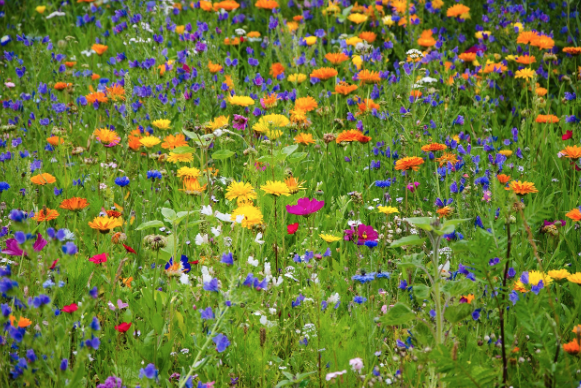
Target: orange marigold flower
70, 64
266, 4
324, 73
447, 158
409, 162
206, 5
114, 213
415, 94
445, 211
304, 138
572, 347
522, 188
96, 96
306, 104
543, 42
368, 36
43, 179
105, 224
572, 152
426, 39
276, 69
336, 58
61, 85
74, 204
368, 77
214, 67
232, 42
572, 50
134, 142
270, 100
458, 10
116, 92
493, 67
54, 141
367, 105
227, 5
344, 88
574, 214
107, 137
547, 119
467, 57
525, 59
95, 76
170, 142
45, 214
99, 48
434, 147
526, 37
24, 322
502, 178
352, 135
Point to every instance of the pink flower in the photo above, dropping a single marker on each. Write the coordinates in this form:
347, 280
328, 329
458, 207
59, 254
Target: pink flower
239, 122
99, 259
412, 186
356, 364
39, 243
334, 375
13, 249
384, 309
71, 308
305, 207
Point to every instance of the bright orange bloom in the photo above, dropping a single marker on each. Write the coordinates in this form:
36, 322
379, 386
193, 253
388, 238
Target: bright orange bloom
502, 178
232, 42
105, 224
134, 142
324, 73
493, 67
54, 141
434, 147
574, 214
276, 69
45, 214
367, 105
306, 104
352, 135
95, 76
206, 5
368, 77
447, 158
116, 92
572, 152
368, 36
444, 212
227, 5
547, 119
266, 4
270, 100
415, 94
24, 322
61, 85
426, 39
336, 58
543, 42
344, 88
107, 137
467, 57
74, 204
409, 162
468, 298
572, 50
572, 347
458, 10
525, 59
526, 37
96, 96
304, 138
214, 67
43, 179
170, 142
522, 188
99, 48
70, 64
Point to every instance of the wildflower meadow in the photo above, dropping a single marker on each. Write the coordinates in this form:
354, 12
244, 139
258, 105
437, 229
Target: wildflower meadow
290, 193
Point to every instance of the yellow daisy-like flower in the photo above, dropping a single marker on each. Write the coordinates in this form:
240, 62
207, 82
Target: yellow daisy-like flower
218, 122
274, 134
353, 41
387, 209
269, 122
188, 172
522, 188
176, 158
329, 238
193, 187
105, 224
276, 188
575, 278
294, 185
298, 78
310, 40
252, 216
161, 124
525, 74
357, 18
506, 153
559, 274
149, 141
241, 101
536, 276
242, 191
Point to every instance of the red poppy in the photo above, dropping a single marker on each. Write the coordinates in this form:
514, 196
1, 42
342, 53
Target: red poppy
99, 259
70, 308
567, 135
123, 327
53, 266
292, 228
129, 249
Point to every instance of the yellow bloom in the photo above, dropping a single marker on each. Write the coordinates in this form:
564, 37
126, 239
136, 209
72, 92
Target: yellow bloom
525, 74
506, 153
479, 34
149, 141
161, 124
388, 21
536, 276
357, 61
294, 185
575, 278
176, 158
357, 18
269, 122
387, 209
40, 8
329, 238
180, 29
105, 224
241, 101
298, 78
192, 186
218, 122
310, 40
243, 191
559, 274
276, 188
251, 216
188, 172
353, 41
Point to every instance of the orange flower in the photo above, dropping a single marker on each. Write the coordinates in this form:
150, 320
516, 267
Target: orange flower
43, 179
444, 212
526, 37
270, 100
105, 224
344, 88
107, 137
336, 58
572, 50
409, 162
572, 347
572, 152
45, 214
434, 147
467, 57
547, 119
227, 5
96, 96
525, 59
232, 42
276, 69
116, 92
70, 64
74, 204
304, 138
502, 178
170, 142
574, 214
458, 10
522, 188
61, 85
367, 105
99, 48
426, 39
352, 135
367, 36
206, 6
24, 322
114, 213
214, 67
266, 4
306, 104
95, 76
324, 73
415, 94
368, 77
543, 42
493, 67
447, 158
54, 141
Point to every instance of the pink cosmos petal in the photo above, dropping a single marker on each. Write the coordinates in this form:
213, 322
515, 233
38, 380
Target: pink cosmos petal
39, 243
305, 207
111, 306
12, 248
121, 305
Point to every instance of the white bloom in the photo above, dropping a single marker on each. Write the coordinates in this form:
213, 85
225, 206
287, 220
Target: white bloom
224, 217
216, 231
240, 31
201, 239
55, 14
252, 262
333, 299
87, 53
206, 210
258, 239
184, 278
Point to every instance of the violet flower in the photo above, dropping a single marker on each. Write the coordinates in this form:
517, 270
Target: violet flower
305, 207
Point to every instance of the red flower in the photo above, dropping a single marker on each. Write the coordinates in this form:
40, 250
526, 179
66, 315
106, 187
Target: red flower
292, 228
567, 135
53, 266
129, 249
70, 308
123, 327
99, 259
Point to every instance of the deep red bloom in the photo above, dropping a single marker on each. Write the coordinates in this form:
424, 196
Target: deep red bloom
99, 259
567, 135
123, 327
129, 249
292, 228
70, 308
53, 266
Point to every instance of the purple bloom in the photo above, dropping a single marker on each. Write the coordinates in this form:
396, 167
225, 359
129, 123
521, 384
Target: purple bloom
305, 207
39, 243
12, 248
207, 313
366, 233
239, 122
221, 342
212, 285
149, 371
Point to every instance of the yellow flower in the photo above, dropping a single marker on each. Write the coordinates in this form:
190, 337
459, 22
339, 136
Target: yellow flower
218, 122
40, 8
388, 21
192, 186
252, 216
310, 40
479, 34
149, 141
105, 224
176, 158
387, 209
180, 29
575, 278
276, 188
559, 274
329, 238
357, 18
298, 78
357, 61
353, 41
243, 191
269, 122
293, 184
525, 74
188, 172
506, 153
536, 276
161, 124
241, 101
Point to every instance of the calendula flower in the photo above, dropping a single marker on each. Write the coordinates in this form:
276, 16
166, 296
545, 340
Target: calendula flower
572, 347
149, 141
310, 40
218, 122
267, 123
525, 74
357, 18
74, 204
329, 238
276, 69
55, 141
43, 179
276, 188
336, 58
116, 92
306, 104
298, 78
177, 158
351, 136
467, 57
368, 77
344, 88
161, 123
559, 274
294, 185
536, 276
324, 73
410, 162
525, 60
214, 67
266, 4
107, 137
574, 214
171, 142
192, 186
543, 119
105, 224
250, 216
188, 172
458, 10
241, 191
572, 152
432, 147
387, 209
572, 50
241, 101
507, 153
96, 97
99, 48
45, 214
575, 278
304, 138
522, 188
502, 178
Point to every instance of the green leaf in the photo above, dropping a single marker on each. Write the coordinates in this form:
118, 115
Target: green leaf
398, 315
222, 154
150, 224
297, 157
290, 149
421, 291
169, 214
424, 223
184, 150
411, 261
457, 288
455, 314
414, 239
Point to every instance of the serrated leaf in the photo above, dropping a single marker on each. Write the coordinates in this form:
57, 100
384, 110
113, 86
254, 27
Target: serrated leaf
398, 315
407, 240
222, 154
421, 291
150, 224
424, 223
455, 314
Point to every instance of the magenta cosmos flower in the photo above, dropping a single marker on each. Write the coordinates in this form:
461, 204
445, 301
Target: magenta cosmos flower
305, 207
